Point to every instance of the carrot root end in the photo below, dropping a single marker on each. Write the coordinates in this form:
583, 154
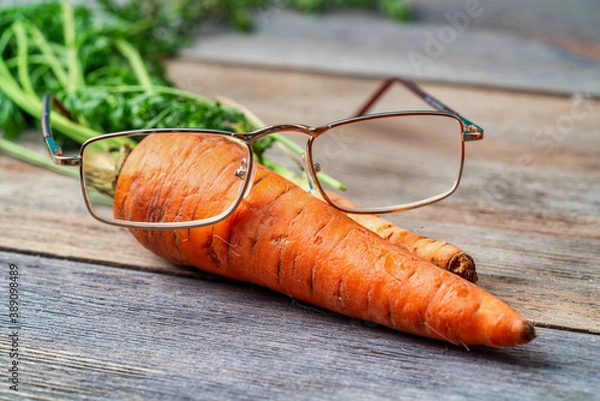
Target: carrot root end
463, 265
529, 332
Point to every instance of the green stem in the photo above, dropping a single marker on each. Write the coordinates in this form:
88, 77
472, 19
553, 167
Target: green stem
4, 39
324, 178
32, 59
167, 90
22, 55
332, 182
29, 156
296, 179
38, 72
48, 54
75, 74
284, 172
137, 64
33, 106
289, 143
77, 132
12, 89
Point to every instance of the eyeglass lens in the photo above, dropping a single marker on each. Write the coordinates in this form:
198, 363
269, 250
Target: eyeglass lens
389, 161
159, 170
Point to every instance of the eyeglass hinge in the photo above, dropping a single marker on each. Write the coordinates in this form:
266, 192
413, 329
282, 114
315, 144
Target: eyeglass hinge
472, 133
67, 160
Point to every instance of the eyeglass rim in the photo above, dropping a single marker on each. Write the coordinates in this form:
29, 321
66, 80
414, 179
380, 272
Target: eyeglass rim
401, 207
243, 191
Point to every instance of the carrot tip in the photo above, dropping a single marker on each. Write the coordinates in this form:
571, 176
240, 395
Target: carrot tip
529, 332
519, 331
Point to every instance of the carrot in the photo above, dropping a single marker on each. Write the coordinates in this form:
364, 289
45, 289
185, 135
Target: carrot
282, 238
440, 253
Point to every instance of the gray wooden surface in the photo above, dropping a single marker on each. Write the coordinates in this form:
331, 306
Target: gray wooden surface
103, 318
552, 47
98, 332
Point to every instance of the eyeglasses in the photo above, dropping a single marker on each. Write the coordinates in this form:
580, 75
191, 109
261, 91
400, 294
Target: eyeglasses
386, 162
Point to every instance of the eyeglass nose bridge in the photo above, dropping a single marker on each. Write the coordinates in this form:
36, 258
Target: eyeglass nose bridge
278, 129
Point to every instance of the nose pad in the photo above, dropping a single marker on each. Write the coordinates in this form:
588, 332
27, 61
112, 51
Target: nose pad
242, 170
246, 172
316, 168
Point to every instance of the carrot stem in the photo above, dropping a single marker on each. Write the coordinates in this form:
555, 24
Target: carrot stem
284, 172
74, 67
48, 54
22, 55
137, 64
22, 153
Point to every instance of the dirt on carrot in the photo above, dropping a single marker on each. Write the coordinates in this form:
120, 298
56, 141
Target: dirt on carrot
282, 238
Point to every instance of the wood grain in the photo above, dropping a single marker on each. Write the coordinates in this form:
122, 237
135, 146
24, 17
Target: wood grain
97, 332
533, 229
528, 211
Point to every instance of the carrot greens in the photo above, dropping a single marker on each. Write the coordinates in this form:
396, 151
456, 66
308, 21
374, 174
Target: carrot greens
103, 62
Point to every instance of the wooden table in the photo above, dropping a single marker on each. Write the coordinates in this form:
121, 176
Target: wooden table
102, 318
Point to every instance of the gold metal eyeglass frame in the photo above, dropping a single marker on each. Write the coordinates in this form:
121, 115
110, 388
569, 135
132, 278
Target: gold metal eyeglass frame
470, 132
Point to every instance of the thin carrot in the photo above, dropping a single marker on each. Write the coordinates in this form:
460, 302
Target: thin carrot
283, 238
440, 253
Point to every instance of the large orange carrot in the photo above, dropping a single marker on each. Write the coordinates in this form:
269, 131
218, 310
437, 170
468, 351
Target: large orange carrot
283, 238
440, 253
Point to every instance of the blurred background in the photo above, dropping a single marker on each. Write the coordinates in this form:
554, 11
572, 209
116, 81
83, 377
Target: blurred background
551, 46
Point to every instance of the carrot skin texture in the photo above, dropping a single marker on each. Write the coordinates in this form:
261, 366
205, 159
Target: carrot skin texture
283, 238
440, 253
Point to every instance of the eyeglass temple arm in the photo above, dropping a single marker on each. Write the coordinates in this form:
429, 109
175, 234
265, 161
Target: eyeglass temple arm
53, 148
413, 87
473, 130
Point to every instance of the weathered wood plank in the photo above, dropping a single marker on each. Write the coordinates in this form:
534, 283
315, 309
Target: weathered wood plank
534, 229
44, 213
433, 48
554, 19
96, 332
